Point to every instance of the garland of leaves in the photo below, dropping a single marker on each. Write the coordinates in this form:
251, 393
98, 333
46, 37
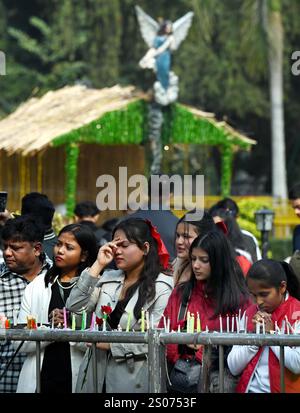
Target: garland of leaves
118, 127
125, 126
181, 126
226, 168
128, 126
185, 127
72, 154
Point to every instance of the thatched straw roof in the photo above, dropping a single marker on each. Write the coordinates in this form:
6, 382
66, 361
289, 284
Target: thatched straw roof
34, 125
37, 122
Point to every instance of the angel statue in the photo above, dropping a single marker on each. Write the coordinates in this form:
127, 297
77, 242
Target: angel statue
162, 39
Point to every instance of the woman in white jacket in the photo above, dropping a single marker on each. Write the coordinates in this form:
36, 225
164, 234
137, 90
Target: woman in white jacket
45, 298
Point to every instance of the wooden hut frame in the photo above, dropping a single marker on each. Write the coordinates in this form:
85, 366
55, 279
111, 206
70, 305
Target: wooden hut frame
111, 116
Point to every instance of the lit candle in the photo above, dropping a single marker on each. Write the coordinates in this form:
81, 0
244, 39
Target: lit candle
33, 323
221, 326
232, 324
188, 322
104, 324
168, 325
192, 323
52, 322
246, 324
165, 323
237, 320
152, 322
257, 327
295, 325
147, 320
227, 323
276, 327
143, 320
289, 326
178, 329
243, 317
65, 317
93, 321
128, 321
15, 317
83, 320
73, 322
263, 327
198, 324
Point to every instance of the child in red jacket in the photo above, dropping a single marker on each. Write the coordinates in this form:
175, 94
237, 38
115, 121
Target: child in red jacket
276, 290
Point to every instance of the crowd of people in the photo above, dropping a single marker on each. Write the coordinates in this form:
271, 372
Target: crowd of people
149, 261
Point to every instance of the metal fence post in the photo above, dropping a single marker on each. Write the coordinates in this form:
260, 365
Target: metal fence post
206, 360
94, 366
221, 369
156, 364
281, 361
38, 366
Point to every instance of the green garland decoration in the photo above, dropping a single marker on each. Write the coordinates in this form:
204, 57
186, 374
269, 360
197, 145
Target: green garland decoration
72, 154
226, 169
124, 126
129, 126
185, 127
181, 126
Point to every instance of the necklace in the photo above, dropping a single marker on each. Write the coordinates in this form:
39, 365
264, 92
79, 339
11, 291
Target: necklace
68, 287
64, 295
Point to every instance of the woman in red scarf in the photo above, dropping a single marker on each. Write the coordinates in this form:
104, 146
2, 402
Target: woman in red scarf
216, 288
276, 290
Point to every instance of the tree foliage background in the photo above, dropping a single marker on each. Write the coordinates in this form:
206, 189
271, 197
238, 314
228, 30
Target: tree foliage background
222, 66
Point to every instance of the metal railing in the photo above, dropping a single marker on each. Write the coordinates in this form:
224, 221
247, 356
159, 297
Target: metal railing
156, 340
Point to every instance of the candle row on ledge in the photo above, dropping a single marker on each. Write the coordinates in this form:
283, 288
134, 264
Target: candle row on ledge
6, 322
234, 323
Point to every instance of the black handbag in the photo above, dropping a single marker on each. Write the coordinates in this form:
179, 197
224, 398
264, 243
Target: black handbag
184, 376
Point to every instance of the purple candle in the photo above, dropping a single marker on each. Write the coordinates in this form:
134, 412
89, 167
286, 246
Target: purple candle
65, 317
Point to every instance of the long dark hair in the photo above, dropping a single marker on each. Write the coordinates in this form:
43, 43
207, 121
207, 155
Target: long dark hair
87, 242
138, 231
226, 284
234, 234
272, 273
201, 226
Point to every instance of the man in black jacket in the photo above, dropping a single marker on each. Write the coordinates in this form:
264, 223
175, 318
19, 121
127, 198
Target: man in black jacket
42, 209
162, 218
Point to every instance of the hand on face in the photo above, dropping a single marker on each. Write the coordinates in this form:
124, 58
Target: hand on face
107, 252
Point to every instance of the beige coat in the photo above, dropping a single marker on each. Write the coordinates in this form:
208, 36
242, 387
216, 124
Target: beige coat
90, 294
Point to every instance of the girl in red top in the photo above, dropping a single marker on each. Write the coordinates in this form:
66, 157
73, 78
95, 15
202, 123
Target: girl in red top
276, 290
216, 288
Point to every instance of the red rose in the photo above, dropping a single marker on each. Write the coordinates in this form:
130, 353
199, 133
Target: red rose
106, 309
99, 321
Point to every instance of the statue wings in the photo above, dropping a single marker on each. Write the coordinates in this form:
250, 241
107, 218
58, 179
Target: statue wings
149, 27
181, 28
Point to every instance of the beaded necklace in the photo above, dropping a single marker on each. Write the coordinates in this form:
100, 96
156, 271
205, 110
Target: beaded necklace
62, 288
